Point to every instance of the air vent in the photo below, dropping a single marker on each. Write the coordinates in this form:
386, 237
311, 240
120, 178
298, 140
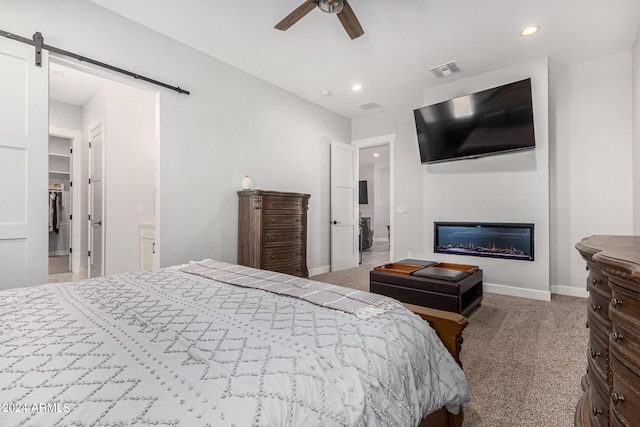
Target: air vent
369, 105
445, 70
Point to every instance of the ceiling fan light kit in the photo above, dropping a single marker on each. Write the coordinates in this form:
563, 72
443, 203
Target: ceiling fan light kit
331, 6
340, 8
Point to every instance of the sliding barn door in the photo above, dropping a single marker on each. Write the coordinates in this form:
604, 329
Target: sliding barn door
24, 117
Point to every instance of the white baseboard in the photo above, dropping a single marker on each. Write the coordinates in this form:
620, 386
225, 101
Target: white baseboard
570, 291
319, 270
516, 292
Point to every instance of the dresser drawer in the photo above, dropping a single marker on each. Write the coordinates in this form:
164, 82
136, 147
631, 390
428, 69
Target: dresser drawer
598, 279
625, 393
599, 405
599, 302
625, 333
275, 220
284, 203
626, 302
616, 421
598, 325
599, 355
276, 238
279, 255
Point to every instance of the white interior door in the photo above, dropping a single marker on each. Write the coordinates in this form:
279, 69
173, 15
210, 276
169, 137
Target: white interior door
24, 120
96, 202
344, 206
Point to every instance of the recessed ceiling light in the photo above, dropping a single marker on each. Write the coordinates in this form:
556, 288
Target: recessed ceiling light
527, 31
356, 87
376, 154
326, 93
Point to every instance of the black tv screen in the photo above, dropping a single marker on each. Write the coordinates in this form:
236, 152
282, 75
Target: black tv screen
363, 193
492, 121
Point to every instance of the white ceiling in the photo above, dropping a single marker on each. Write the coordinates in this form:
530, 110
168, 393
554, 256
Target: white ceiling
402, 40
71, 86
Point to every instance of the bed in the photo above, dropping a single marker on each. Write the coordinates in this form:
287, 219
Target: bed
216, 344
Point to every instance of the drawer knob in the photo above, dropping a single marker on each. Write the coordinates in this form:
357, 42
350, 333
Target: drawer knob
594, 353
595, 411
594, 281
616, 336
615, 398
616, 302
595, 307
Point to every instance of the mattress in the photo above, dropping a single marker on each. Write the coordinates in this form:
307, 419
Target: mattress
172, 348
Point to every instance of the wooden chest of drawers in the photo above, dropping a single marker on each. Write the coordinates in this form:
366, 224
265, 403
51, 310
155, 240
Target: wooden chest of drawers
272, 231
612, 383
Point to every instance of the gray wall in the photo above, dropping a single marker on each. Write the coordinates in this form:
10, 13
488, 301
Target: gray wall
232, 124
590, 151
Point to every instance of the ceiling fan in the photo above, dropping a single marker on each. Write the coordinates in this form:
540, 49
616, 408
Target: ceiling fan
341, 7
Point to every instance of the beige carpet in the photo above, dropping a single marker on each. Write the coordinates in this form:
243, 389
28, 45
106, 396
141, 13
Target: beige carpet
524, 359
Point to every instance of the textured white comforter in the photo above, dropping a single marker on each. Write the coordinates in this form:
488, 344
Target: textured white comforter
165, 347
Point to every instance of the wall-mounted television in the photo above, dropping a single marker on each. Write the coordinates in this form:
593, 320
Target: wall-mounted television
492, 121
363, 193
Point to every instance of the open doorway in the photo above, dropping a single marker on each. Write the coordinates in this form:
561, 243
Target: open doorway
79, 98
375, 167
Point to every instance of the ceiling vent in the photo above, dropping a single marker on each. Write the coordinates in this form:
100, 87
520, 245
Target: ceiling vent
445, 70
369, 105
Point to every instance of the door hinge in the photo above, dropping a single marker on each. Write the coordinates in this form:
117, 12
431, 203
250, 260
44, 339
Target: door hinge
89, 253
89, 217
89, 180
70, 150
70, 250
70, 183
70, 217
89, 145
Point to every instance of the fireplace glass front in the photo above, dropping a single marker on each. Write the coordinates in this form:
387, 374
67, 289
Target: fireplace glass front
498, 240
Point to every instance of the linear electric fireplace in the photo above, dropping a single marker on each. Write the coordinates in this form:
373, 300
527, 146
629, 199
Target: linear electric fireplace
497, 240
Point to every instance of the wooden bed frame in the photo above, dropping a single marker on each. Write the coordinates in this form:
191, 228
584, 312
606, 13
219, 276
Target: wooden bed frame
449, 327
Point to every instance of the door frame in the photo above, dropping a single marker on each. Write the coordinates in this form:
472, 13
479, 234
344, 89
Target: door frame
101, 122
76, 190
389, 139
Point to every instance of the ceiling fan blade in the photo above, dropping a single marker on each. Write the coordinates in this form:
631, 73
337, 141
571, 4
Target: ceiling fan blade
296, 15
350, 22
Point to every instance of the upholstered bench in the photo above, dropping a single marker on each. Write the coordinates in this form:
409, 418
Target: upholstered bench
444, 286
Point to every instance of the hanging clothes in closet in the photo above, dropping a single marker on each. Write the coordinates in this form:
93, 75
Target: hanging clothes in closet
55, 209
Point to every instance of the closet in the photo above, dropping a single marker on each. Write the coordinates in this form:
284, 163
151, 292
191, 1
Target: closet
59, 203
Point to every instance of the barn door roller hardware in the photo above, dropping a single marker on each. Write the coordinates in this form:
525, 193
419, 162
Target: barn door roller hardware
38, 43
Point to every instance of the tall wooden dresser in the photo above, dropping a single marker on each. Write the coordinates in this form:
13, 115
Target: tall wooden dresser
612, 383
272, 231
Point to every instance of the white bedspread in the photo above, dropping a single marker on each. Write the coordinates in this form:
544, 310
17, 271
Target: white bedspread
165, 347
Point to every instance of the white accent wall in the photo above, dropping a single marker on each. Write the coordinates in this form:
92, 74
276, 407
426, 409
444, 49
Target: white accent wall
511, 187
231, 125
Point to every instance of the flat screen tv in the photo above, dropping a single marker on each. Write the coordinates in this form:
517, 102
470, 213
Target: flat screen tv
492, 121
363, 193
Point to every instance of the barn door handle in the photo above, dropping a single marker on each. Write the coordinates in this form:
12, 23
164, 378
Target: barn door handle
335, 222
